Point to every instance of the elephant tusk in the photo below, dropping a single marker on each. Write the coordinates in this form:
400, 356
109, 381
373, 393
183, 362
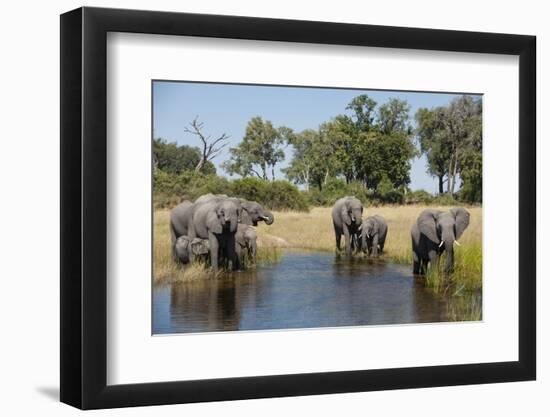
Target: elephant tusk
458, 244
441, 243
265, 217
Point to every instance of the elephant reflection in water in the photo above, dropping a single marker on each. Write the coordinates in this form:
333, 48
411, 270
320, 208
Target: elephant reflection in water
214, 305
211, 306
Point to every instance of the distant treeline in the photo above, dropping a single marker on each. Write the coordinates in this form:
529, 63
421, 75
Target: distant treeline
366, 153
169, 189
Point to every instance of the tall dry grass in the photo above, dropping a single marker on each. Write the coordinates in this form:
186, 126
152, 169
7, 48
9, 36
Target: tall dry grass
314, 231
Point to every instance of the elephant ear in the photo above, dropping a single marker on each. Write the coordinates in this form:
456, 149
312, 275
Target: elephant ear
427, 224
345, 215
183, 240
462, 220
213, 222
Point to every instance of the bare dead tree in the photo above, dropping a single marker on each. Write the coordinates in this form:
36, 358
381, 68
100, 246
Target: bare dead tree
210, 148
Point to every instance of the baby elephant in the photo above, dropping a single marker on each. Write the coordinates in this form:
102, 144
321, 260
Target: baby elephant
373, 234
245, 244
184, 245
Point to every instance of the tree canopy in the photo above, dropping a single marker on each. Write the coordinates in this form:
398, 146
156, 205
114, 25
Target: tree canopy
369, 145
173, 158
451, 138
369, 148
259, 151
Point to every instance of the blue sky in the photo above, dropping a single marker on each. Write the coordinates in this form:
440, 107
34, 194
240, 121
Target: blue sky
227, 108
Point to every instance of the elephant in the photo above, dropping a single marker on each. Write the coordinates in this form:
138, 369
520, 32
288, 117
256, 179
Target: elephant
246, 244
184, 245
216, 221
374, 230
205, 198
435, 232
180, 216
347, 215
251, 212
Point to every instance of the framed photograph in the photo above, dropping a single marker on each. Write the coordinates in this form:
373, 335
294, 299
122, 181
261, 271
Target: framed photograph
257, 208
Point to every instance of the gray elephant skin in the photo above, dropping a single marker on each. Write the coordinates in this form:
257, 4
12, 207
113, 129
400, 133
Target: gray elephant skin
217, 222
374, 230
180, 216
435, 232
347, 215
246, 244
250, 212
184, 245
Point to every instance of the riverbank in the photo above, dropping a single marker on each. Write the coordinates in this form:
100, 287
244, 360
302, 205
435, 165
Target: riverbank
314, 231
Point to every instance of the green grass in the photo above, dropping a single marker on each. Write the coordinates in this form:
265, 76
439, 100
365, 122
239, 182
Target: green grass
466, 307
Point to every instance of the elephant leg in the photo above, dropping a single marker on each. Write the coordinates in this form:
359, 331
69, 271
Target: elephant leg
347, 241
214, 251
375, 246
239, 256
416, 263
338, 235
231, 255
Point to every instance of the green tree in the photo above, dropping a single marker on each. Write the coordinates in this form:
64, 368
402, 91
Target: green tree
450, 137
432, 143
361, 147
363, 109
259, 151
380, 142
393, 117
471, 171
317, 155
173, 158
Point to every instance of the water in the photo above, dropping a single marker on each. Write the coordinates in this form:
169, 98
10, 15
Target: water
303, 290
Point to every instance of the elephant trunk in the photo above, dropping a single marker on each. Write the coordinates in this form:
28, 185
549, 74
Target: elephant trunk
268, 218
449, 249
233, 224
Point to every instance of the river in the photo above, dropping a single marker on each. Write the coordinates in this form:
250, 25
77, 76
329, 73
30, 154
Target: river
303, 290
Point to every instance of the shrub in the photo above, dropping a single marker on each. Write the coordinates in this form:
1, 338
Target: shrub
169, 189
387, 193
418, 197
275, 195
336, 188
445, 200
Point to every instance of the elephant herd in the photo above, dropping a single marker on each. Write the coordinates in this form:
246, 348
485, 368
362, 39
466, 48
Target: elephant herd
367, 235
220, 230
434, 233
216, 229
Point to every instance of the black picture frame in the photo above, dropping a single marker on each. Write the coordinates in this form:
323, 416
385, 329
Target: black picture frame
84, 207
